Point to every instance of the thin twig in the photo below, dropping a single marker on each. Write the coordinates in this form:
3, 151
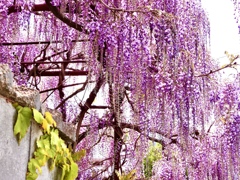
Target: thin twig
231, 64
129, 101
73, 94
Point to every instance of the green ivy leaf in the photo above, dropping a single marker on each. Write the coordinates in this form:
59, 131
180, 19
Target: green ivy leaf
31, 167
43, 144
42, 158
49, 119
54, 137
50, 147
38, 116
72, 173
45, 126
23, 122
35, 164
63, 145
16, 106
64, 169
32, 176
52, 152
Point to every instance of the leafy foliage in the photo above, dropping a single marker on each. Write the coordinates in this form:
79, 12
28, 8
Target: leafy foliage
38, 117
128, 176
22, 124
49, 119
154, 154
50, 148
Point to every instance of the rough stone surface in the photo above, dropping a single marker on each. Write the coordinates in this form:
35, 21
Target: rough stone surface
6, 76
23, 95
13, 158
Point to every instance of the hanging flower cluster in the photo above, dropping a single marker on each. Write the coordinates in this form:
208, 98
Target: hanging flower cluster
149, 62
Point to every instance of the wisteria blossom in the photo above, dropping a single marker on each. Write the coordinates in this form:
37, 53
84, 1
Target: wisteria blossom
127, 72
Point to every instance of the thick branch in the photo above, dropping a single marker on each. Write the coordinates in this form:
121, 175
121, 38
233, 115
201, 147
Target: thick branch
88, 104
164, 141
67, 73
64, 19
37, 42
35, 8
51, 62
99, 107
138, 129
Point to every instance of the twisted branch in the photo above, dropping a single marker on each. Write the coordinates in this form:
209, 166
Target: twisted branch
87, 106
64, 19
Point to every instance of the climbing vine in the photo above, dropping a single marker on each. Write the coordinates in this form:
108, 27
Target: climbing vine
50, 148
118, 68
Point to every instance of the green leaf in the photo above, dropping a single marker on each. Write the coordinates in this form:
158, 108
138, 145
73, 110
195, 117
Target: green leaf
62, 144
33, 163
16, 106
38, 116
129, 176
64, 168
72, 173
54, 137
186, 172
61, 160
77, 156
31, 176
49, 119
52, 152
42, 156
44, 142
31, 167
23, 122
45, 126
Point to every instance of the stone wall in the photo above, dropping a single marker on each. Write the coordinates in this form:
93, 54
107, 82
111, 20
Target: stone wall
14, 157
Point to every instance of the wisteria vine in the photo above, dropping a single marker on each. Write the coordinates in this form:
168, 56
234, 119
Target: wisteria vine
127, 73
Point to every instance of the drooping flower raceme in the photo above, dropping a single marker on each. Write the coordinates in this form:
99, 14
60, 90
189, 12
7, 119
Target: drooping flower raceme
145, 64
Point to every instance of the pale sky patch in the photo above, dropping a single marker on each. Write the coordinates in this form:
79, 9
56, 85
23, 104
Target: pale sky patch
224, 29
225, 35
